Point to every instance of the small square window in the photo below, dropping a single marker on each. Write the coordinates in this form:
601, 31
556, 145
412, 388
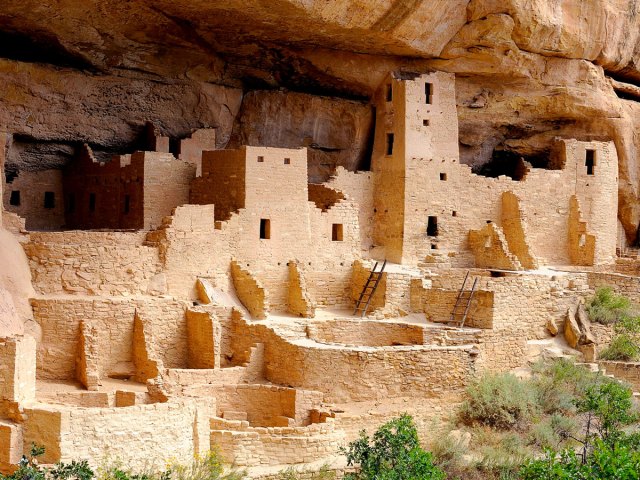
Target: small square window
434, 246
14, 199
49, 200
425, 122
428, 93
454, 214
336, 232
432, 226
590, 161
71, 203
443, 177
265, 228
287, 161
389, 148
260, 159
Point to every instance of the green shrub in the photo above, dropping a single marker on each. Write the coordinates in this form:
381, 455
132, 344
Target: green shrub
551, 431
393, 453
559, 383
606, 307
501, 401
28, 469
622, 348
292, 473
625, 345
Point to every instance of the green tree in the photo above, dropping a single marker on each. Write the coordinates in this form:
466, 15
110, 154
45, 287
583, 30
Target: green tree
393, 453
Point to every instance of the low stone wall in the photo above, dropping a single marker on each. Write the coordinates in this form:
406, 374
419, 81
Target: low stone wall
267, 405
113, 318
364, 332
243, 445
359, 373
626, 285
93, 263
141, 436
626, 371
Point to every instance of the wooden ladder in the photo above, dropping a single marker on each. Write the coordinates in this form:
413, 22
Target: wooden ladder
369, 289
463, 301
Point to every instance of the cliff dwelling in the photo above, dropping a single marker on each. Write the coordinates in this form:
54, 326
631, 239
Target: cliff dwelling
267, 262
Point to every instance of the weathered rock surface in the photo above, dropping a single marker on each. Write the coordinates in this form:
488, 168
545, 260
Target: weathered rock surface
335, 131
527, 70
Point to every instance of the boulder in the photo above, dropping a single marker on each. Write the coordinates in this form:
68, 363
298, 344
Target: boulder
571, 328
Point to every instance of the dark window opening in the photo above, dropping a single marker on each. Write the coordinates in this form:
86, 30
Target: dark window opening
14, 199
336, 232
261, 159
265, 228
434, 246
49, 200
443, 177
389, 92
287, 161
92, 202
389, 143
432, 227
425, 122
127, 203
507, 163
71, 203
428, 93
454, 214
590, 161
174, 146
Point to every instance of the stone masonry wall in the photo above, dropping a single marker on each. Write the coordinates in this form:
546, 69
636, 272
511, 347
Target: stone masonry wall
243, 445
91, 263
166, 185
141, 436
365, 333
113, 318
32, 187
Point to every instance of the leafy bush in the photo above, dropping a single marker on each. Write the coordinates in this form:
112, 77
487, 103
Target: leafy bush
608, 452
500, 401
606, 462
558, 384
625, 345
606, 307
207, 467
394, 453
28, 469
292, 473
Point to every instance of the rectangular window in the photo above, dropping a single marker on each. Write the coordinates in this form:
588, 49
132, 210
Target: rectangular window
389, 144
49, 200
92, 202
336, 232
389, 92
71, 203
260, 159
443, 177
14, 199
127, 203
590, 161
428, 93
425, 123
432, 227
287, 161
265, 228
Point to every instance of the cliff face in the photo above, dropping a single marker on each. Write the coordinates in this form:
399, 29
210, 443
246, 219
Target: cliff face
261, 71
